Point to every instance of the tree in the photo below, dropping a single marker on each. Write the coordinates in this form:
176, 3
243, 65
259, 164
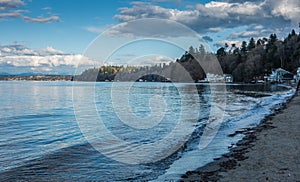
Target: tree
293, 32
201, 49
221, 52
259, 42
192, 50
244, 48
226, 46
271, 49
251, 44
234, 49
273, 38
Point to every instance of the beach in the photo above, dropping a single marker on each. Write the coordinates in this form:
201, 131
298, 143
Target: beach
269, 152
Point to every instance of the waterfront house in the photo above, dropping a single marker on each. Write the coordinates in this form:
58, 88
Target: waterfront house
280, 75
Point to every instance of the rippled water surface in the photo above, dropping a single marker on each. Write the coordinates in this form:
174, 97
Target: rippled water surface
41, 139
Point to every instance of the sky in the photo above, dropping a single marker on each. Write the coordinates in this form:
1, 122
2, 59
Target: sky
58, 36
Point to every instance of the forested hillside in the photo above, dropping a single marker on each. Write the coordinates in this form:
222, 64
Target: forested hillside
259, 57
254, 58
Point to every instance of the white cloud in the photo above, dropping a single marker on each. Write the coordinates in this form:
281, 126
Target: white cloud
10, 4
289, 9
50, 50
244, 34
41, 19
225, 8
44, 69
47, 8
149, 28
258, 27
48, 59
151, 60
216, 16
94, 29
11, 9
216, 29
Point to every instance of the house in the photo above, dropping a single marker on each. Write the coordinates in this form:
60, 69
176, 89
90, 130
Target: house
228, 78
279, 75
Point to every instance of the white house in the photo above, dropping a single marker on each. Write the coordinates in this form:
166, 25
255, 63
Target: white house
279, 75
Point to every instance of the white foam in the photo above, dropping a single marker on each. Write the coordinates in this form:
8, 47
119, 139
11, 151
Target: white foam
193, 159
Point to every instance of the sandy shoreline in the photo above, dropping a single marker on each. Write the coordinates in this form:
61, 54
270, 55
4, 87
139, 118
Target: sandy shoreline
269, 152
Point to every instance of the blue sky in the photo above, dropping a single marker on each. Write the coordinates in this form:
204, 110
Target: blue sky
70, 33
50, 36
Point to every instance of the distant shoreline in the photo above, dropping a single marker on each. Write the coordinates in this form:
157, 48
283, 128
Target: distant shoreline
71, 78
37, 78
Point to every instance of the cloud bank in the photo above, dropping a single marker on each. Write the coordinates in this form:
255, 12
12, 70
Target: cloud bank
16, 59
259, 16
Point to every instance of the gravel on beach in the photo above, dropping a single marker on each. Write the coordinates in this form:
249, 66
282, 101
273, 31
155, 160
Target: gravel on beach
269, 152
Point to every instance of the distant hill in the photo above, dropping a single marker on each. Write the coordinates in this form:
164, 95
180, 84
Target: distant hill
4, 74
19, 74
37, 77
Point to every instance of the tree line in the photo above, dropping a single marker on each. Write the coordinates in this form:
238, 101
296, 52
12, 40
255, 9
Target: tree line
259, 58
253, 59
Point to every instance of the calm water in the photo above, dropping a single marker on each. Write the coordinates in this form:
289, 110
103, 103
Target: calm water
41, 139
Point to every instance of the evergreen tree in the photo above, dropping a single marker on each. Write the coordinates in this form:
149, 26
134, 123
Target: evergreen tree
201, 50
293, 33
234, 49
244, 48
226, 47
259, 42
251, 44
273, 38
192, 50
221, 52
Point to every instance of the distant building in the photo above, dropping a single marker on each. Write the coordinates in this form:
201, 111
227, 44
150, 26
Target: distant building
214, 78
279, 75
228, 78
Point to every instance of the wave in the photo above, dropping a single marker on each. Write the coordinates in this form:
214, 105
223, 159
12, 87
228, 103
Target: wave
247, 116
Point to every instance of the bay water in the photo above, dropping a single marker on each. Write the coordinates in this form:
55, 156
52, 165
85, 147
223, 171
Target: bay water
42, 140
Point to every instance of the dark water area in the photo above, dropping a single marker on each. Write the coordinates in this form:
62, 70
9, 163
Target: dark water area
81, 163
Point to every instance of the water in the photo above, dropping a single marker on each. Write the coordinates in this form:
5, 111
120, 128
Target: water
42, 140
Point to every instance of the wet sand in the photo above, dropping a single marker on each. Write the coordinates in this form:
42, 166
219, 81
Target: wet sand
269, 152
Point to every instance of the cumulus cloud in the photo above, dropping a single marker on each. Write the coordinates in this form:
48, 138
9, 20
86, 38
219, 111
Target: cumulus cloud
10, 4
216, 16
12, 14
94, 29
41, 19
215, 29
11, 9
18, 58
236, 35
257, 27
51, 51
289, 9
9, 50
159, 29
151, 60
